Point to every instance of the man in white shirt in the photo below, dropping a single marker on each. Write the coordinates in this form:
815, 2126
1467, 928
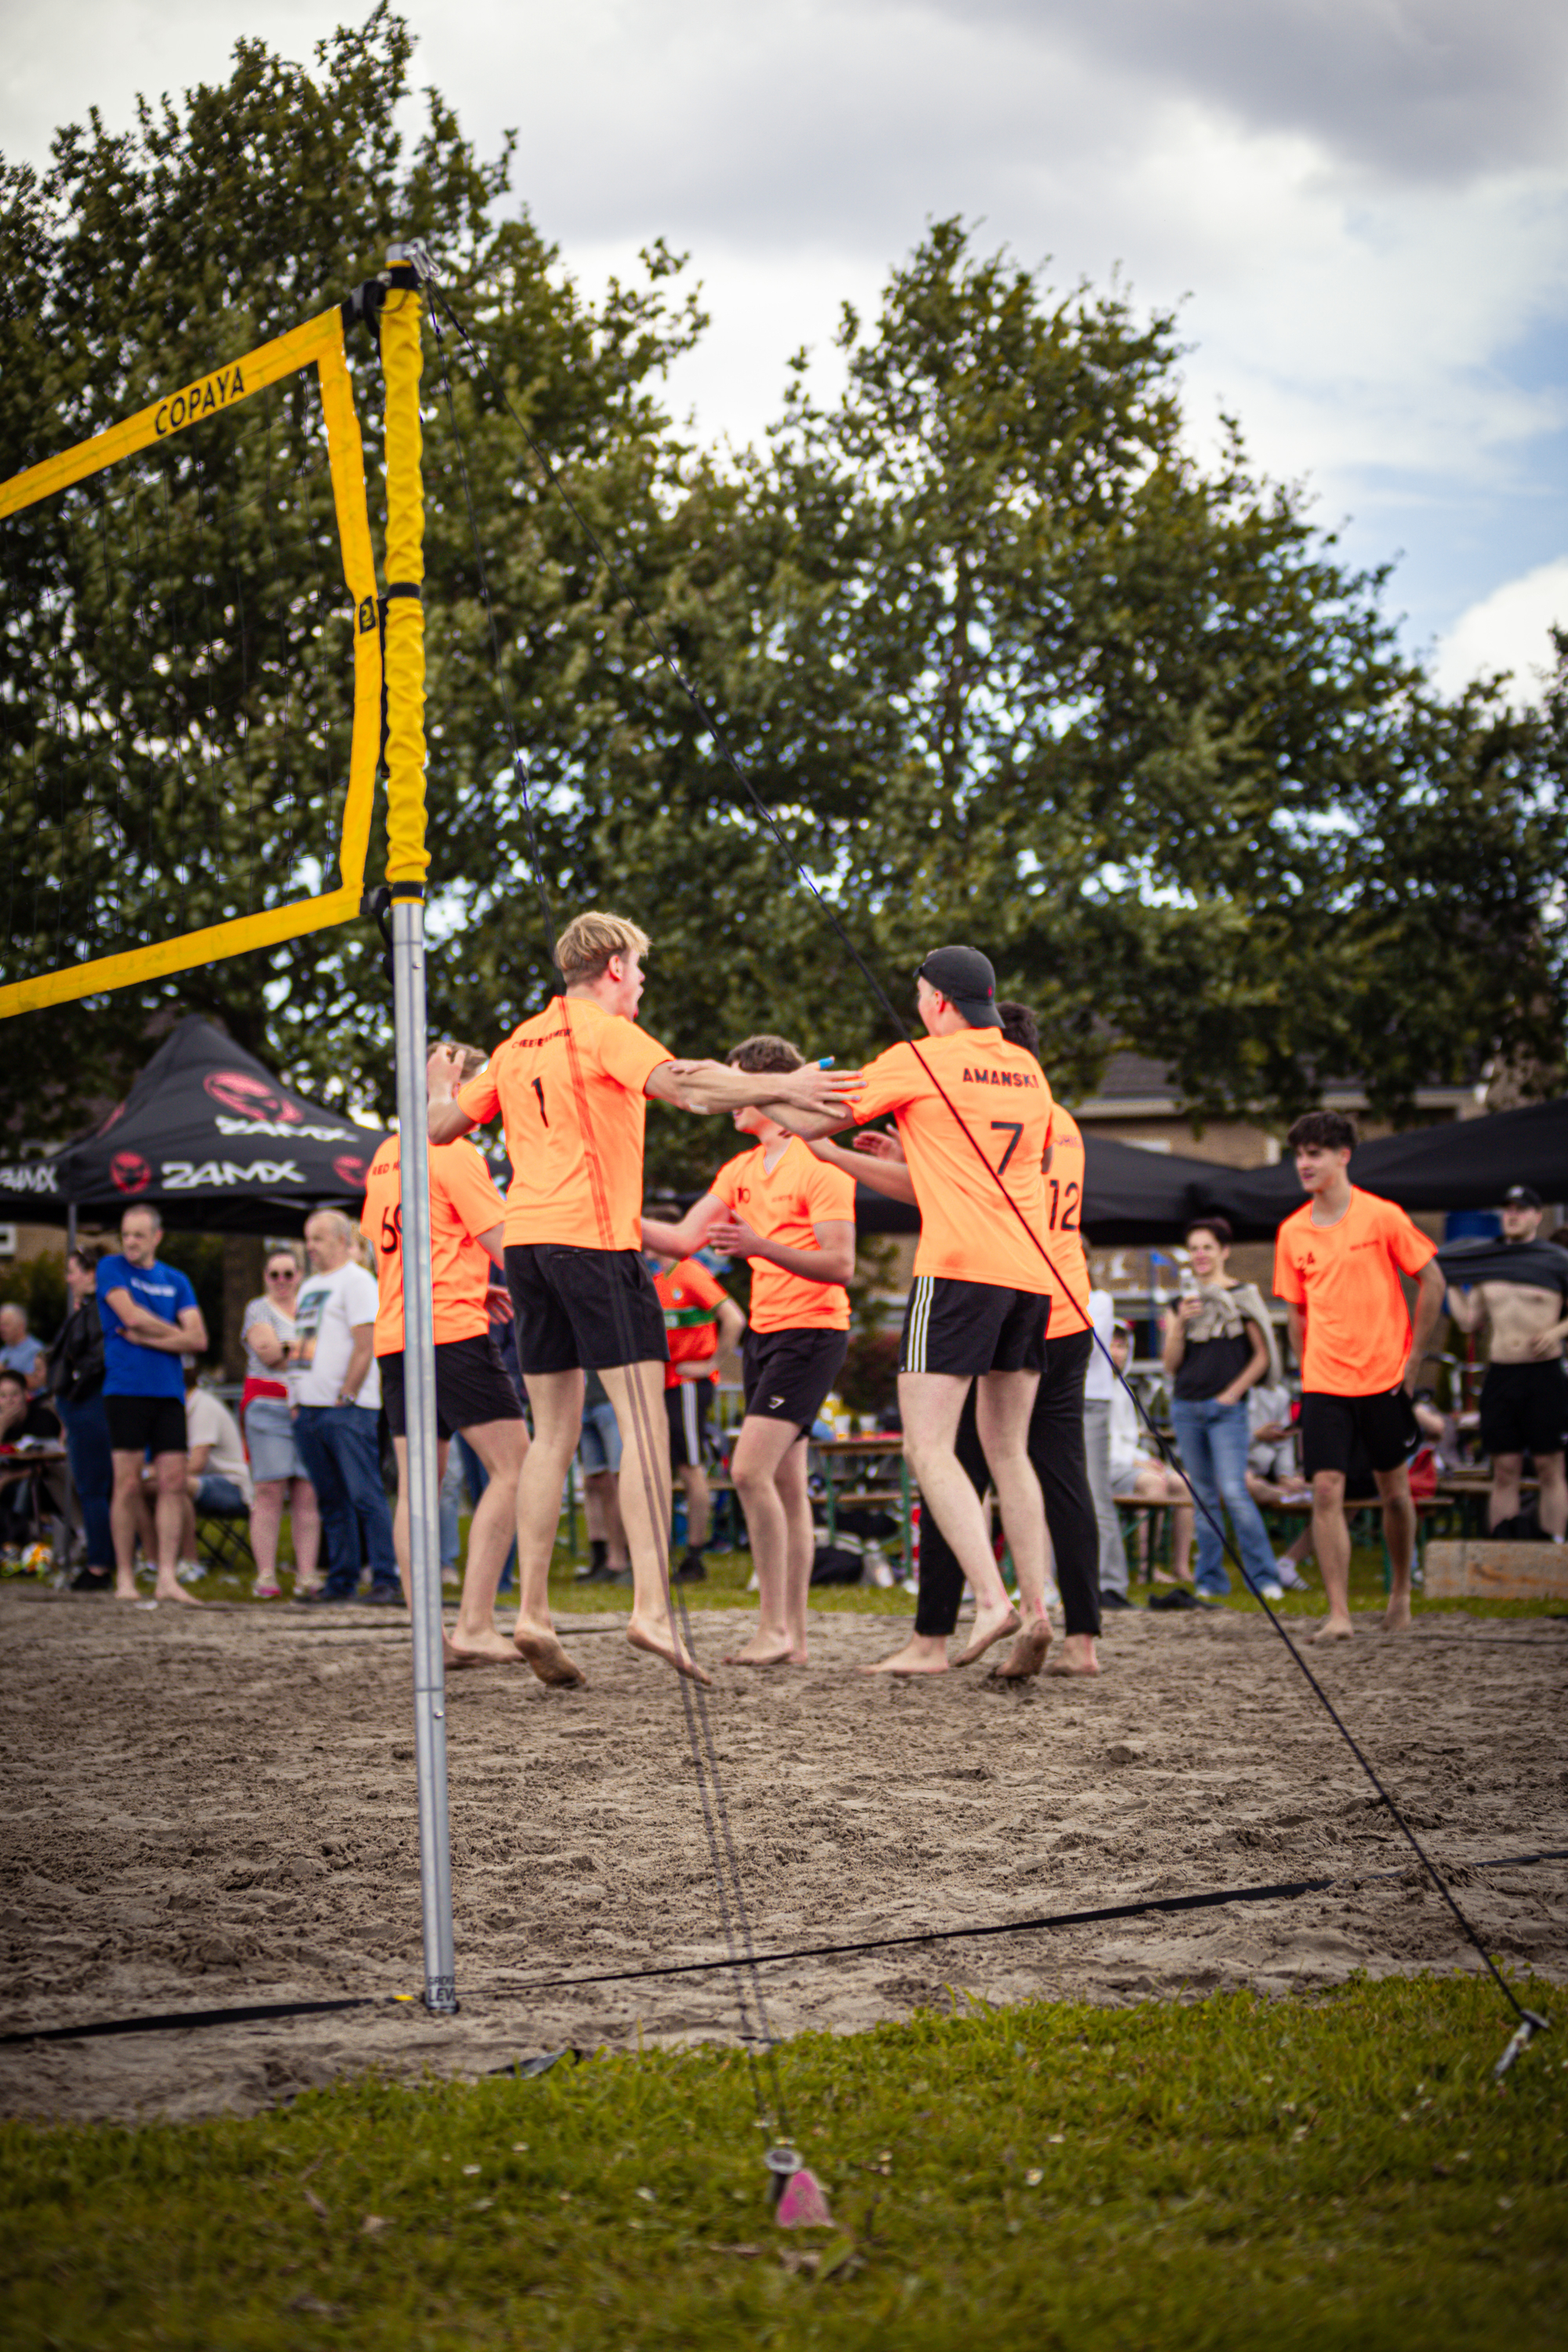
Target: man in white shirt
1099, 1382
335, 1392
217, 1475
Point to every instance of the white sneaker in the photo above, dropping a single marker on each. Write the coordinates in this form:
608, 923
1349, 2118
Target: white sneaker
1271, 1590
1291, 1575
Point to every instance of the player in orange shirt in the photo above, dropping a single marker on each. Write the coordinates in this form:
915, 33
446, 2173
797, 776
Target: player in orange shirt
700, 1318
973, 1115
1337, 1263
572, 1085
1057, 1421
474, 1392
794, 1217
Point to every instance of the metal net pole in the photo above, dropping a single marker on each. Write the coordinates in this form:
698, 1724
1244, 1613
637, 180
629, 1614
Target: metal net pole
407, 865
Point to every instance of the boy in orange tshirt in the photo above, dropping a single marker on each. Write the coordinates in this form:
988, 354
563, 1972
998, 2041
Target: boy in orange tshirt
1337, 1263
794, 1217
474, 1392
572, 1085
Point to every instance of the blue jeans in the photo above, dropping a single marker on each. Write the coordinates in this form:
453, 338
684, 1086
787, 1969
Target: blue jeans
337, 1446
1213, 1440
92, 1473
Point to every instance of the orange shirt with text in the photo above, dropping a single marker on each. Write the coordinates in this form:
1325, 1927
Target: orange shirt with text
464, 1203
999, 1093
786, 1203
1345, 1280
568, 1085
1064, 1215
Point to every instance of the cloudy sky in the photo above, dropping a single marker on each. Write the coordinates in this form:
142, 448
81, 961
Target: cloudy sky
1361, 205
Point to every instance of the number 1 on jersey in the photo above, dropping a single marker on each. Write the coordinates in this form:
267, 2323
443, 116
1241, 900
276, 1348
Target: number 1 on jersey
538, 1085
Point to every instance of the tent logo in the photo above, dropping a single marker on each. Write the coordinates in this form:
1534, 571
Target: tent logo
350, 1168
129, 1172
238, 1091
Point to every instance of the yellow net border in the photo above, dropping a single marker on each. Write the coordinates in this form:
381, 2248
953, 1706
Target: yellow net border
318, 343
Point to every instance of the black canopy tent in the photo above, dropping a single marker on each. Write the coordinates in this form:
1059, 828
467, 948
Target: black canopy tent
209, 1139
1133, 1197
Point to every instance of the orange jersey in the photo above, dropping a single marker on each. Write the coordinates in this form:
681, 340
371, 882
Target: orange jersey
968, 1233
569, 1088
786, 1204
464, 1203
1345, 1280
1064, 1215
690, 1299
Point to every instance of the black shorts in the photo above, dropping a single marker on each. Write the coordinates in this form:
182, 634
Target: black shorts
1384, 1423
472, 1386
969, 1328
593, 1308
687, 1405
786, 1375
140, 1424
1524, 1408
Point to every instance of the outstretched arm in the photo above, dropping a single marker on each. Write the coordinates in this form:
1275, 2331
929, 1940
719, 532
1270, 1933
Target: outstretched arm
687, 1238
877, 1161
705, 1086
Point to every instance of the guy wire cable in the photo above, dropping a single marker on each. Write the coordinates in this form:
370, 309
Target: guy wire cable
1529, 2020
725, 1864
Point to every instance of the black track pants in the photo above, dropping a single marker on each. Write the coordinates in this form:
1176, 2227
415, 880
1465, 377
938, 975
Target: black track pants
1055, 1449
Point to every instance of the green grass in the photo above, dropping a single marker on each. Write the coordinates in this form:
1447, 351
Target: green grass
1334, 2171
728, 1573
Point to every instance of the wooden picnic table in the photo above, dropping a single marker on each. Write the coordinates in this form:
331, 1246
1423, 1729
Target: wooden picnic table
874, 1491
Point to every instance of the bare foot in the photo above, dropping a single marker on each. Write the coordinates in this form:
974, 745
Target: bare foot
126, 1593
990, 1626
544, 1653
1076, 1656
1334, 1629
490, 1649
1027, 1654
1396, 1618
663, 1642
767, 1650
173, 1590
922, 1654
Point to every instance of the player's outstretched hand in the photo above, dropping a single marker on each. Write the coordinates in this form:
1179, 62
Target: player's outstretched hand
826, 1092
734, 1237
876, 1144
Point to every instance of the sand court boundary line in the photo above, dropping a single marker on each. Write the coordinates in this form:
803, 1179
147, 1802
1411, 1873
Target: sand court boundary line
259, 2012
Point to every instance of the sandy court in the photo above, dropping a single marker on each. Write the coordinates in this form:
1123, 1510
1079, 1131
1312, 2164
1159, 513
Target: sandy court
201, 1810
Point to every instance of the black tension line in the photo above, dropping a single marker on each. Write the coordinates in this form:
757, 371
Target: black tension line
726, 751
1281, 1891
715, 1812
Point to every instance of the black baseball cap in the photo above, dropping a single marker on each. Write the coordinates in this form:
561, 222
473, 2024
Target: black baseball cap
1520, 1196
967, 978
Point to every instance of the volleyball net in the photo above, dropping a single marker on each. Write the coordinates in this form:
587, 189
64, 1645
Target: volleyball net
189, 679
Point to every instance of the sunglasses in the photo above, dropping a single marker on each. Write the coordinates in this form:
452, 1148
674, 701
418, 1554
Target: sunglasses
282, 1274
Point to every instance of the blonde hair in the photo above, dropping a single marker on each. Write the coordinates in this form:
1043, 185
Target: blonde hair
586, 945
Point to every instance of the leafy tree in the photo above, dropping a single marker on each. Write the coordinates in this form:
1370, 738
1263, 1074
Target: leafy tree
140, 262
1044, 683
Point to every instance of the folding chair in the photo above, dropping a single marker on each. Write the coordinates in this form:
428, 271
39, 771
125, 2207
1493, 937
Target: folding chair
223, 1539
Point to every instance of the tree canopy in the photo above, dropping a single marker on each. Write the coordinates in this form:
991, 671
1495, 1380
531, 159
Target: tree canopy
1008, 662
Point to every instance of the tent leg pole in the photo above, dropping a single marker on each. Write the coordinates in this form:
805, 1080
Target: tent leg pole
419, 1382
70, 1228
